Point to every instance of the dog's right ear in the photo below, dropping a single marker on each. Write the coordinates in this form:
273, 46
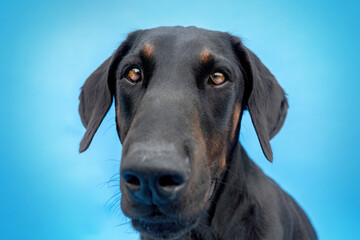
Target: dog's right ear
97, 92
95, 101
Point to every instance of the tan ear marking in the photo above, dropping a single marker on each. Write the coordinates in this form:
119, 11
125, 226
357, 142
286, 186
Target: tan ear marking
117, 113
223, 161
236, 116
198, 133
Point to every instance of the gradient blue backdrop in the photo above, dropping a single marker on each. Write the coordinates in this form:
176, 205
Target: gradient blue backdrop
49, 48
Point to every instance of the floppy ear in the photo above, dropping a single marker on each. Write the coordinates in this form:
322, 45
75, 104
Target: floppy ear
95, 101
97, 93
266, 100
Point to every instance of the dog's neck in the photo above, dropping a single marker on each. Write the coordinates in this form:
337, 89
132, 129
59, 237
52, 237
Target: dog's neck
234, 197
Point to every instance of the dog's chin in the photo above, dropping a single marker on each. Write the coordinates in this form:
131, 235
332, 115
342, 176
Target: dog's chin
162, 227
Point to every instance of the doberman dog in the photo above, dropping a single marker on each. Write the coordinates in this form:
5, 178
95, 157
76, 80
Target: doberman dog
180, 93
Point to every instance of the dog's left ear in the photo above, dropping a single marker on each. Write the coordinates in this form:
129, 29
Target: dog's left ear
266, 100
97, 92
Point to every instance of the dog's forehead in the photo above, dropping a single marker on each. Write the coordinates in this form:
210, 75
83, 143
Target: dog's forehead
184, 40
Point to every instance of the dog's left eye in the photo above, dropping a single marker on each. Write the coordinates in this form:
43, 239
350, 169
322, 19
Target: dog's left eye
217, 78
134, 75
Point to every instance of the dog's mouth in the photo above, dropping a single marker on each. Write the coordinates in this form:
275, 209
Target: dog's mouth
162, 223
160, 226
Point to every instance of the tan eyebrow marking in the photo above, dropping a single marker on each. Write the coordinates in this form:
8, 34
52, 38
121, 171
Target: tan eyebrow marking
205, 55
118, 111
148, 49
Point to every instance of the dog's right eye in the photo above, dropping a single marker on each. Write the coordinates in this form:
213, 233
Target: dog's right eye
134, 75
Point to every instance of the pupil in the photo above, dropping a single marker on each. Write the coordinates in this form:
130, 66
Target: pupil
218, 78
134, 74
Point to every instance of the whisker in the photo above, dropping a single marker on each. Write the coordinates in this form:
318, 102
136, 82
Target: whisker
123, 224
114, 200
113, 179
110, 119
229, 171
109, 128
230, 185
206, 226
113, 160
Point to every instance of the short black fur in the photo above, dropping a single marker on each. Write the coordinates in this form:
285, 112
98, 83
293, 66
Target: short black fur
175, 125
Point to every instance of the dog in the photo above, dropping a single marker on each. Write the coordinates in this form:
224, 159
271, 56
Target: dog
180, 93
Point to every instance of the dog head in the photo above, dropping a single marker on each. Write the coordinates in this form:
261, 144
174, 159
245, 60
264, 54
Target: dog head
179, 96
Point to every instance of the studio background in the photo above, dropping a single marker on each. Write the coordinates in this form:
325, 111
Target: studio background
48, 48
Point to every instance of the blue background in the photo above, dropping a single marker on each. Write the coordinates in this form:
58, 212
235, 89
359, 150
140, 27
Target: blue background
49, 48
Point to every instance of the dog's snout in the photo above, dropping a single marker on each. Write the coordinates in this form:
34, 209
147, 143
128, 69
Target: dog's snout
153, 176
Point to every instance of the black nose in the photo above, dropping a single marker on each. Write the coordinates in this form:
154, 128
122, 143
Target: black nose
154, 175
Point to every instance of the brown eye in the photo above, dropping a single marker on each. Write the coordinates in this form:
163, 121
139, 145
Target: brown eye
134, 75
217, 78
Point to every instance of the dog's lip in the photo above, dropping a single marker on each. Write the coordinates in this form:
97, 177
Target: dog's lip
155, 217
162, 227
156, 220
158, 224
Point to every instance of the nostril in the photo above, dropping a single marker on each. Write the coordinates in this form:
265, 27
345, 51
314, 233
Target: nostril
170, 181
131, 179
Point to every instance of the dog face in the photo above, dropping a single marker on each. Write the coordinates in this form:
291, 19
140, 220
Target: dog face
179, 96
